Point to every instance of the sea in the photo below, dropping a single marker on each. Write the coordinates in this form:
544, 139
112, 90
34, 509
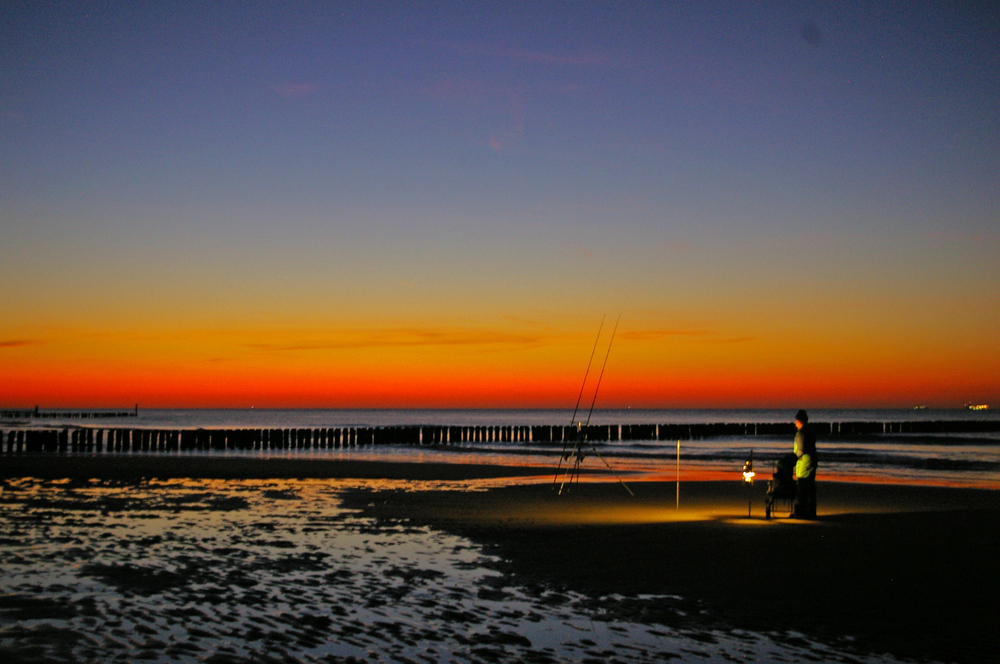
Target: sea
953, 458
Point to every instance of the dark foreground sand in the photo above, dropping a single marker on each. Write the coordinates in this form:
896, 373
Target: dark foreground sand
912, 571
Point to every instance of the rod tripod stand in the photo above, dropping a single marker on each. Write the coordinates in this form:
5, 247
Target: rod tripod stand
574, 458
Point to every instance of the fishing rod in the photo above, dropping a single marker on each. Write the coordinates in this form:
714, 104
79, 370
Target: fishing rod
579, 397
572, 420
577, 454
603, 367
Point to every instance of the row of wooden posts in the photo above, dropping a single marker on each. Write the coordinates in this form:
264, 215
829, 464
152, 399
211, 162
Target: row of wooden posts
101, 440
22, 414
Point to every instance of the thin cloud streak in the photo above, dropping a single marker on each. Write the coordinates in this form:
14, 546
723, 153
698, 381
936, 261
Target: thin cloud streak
656, 335
409, 338
527, 55
18, 343
295, 89
707, 335
370, 338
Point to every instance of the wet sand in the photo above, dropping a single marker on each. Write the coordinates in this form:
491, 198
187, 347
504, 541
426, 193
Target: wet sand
909, 571
249, 571
164, 466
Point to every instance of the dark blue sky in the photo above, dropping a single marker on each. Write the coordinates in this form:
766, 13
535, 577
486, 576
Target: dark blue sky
394, 163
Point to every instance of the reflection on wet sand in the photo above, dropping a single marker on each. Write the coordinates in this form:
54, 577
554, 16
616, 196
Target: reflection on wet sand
278, 570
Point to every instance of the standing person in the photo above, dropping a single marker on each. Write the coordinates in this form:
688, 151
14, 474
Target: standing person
805, 468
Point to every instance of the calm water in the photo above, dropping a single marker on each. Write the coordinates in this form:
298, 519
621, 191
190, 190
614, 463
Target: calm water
966, 459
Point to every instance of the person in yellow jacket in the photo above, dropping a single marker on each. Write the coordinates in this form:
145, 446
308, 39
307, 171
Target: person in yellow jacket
805, 468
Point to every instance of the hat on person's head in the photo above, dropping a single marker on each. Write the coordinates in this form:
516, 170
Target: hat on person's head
802, 416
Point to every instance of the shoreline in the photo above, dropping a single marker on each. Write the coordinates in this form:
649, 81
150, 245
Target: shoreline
134, 466
138, 466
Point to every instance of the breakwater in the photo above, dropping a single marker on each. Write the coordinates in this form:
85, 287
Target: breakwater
98, 440
36, 413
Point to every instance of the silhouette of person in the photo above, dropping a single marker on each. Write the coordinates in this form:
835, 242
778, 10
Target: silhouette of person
805, 468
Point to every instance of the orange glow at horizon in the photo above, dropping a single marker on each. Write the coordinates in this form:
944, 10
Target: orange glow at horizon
509, 364
228, 387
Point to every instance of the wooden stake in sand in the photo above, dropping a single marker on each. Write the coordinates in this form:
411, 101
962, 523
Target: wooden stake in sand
678, 473
748, 476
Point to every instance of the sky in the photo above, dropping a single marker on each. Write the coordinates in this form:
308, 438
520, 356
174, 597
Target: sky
440, 204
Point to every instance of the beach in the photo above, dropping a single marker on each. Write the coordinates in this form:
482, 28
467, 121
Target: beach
887, 573
905, 570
